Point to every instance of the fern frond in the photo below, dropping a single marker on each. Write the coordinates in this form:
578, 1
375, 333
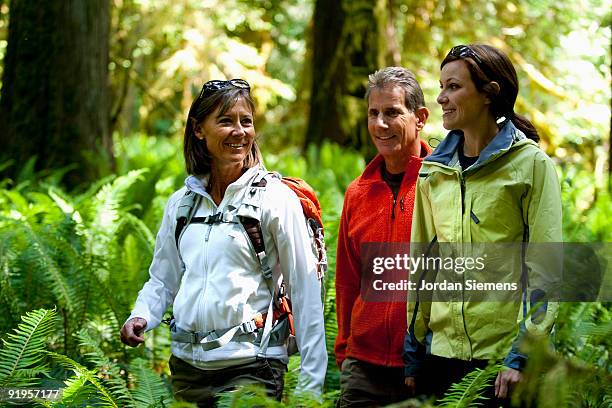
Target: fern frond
78, 392
291, 376
150, 390
601, 331
9, 299
108, 200
40, 254
111, 371
23, 349
469, 391
64, 203
81, 200
84, 375
140, 228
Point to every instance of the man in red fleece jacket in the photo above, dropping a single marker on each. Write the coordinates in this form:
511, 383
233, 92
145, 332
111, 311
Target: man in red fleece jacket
378, 209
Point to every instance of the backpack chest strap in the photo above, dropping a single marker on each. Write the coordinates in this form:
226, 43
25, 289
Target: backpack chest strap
217, 218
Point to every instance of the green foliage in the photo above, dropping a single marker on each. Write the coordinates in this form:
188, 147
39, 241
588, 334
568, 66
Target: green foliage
80, 388
583, 333
22, 357
586, 207
553, 380
162, 52
110, 370
23, 361
247, 396
470, 391
149, 389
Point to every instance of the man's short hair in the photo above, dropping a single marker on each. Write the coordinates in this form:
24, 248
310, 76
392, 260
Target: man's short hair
402, 77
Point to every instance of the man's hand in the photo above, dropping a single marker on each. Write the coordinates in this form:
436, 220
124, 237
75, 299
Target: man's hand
132, 331
410, 384
505, 381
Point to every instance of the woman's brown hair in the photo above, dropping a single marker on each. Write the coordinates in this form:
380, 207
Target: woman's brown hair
197, 157
487, 64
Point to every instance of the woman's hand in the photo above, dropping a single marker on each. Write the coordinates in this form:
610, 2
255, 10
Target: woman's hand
132, 331
410, 384
505, 381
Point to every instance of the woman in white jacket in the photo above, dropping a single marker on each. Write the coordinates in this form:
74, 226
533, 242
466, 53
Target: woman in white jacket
207, 267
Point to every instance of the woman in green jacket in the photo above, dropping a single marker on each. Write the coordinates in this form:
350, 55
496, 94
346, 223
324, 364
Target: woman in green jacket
487, 188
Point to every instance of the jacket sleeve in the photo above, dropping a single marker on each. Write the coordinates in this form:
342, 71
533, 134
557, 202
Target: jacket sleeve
543, 256
348, 280
165, 271
298, 265
422, 235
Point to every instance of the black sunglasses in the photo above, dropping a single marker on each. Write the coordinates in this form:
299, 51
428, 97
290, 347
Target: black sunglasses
217, 85
463, 51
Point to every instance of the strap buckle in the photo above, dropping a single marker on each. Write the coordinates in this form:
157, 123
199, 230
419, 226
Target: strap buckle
214, 219
248, 327
282, 290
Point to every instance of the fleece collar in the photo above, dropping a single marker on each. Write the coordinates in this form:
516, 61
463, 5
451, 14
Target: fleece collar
372, 174
446, 152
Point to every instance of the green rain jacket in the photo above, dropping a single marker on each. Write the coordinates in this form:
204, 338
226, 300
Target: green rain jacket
511, 194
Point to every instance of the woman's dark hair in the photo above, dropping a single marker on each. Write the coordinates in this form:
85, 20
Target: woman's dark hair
487, 64
197, 157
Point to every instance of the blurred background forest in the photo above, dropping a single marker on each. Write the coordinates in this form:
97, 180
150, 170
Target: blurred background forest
93, 101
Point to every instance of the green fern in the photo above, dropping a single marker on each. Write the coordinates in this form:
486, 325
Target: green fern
556, 381
77, 393
107, 202
39, 249
108, 369
79, 384
469, 391
9, 299
149, 391
21, 358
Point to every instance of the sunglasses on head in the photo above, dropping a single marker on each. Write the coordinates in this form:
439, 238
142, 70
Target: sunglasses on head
463, 51
217, 85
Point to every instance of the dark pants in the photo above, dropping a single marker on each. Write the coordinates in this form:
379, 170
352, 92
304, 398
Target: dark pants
202, 386
368, 385
440, 373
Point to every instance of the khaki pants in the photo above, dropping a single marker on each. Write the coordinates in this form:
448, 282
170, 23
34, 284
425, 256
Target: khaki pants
202, 386
368, 385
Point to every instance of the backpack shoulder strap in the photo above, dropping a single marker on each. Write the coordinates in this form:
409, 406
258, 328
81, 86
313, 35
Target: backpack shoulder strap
184, 213
252, 226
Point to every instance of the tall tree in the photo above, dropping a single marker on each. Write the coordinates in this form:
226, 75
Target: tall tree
55, 97
348, 44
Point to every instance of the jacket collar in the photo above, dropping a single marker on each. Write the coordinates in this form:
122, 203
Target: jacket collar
198, 185
446, 152
413, 164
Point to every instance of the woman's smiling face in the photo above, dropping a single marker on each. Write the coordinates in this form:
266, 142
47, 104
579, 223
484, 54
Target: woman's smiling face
463, 106
228, 137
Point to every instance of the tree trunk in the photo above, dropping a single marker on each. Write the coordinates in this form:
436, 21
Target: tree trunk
349, 44
55, 95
